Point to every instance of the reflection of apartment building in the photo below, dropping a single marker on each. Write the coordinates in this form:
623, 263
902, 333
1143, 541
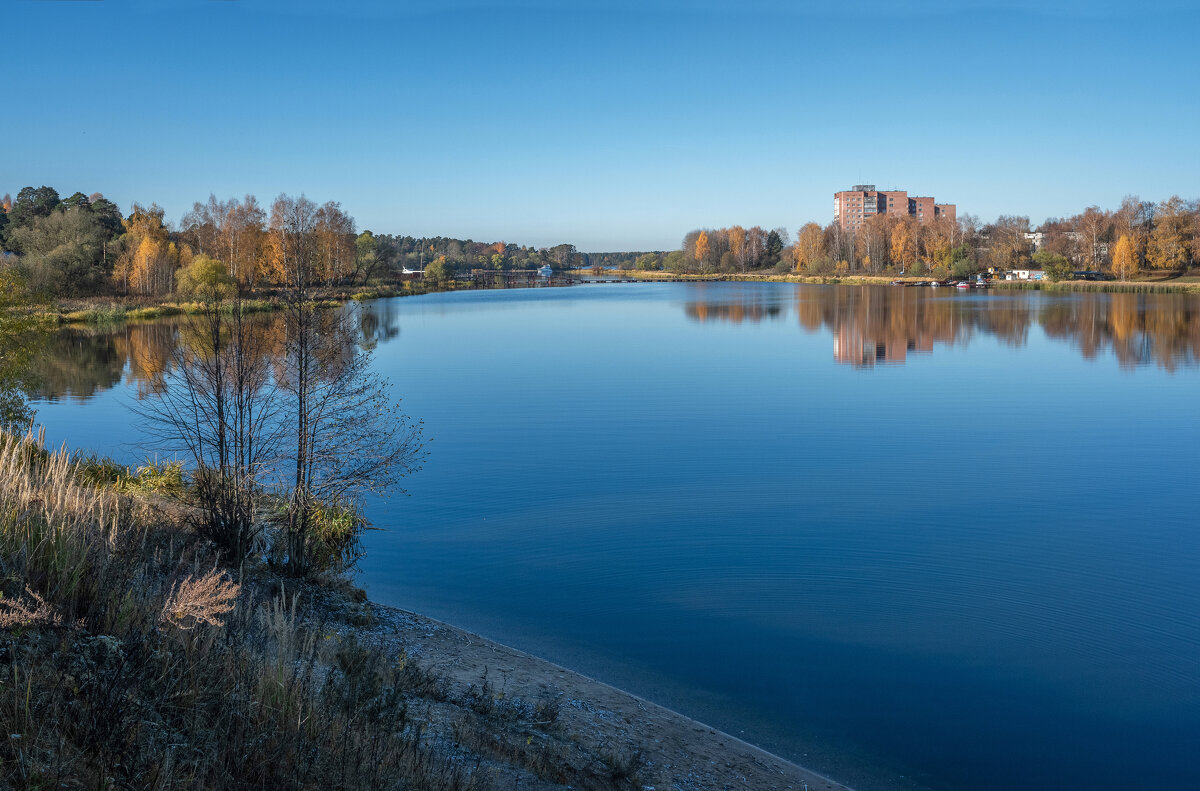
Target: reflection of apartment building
857, 345
853, 207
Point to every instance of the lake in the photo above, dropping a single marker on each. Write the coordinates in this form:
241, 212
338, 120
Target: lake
913, 538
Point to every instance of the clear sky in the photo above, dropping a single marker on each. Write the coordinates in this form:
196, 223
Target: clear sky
613, 125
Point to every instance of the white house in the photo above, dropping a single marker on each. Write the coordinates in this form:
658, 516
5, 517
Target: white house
1026, 274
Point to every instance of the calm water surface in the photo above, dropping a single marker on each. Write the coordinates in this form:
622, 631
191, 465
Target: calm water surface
908, 537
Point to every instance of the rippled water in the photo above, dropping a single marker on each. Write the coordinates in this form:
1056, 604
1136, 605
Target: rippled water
912, 538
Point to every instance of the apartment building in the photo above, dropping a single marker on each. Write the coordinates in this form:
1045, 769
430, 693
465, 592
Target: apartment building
853, 207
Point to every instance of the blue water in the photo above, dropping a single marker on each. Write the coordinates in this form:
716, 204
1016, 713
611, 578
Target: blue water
911, 538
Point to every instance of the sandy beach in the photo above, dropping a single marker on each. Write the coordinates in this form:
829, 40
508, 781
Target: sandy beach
592, 723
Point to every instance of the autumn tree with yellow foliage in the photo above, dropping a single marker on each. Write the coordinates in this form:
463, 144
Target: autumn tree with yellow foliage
871, 243
809, 250
1167, 246
701, 247
1125, 258
335, 243
737, 244
232, 232
148, 264
904, 244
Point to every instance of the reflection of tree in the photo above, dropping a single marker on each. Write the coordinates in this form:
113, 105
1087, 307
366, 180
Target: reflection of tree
81, 362
148, 349
378, 322
1006, 318
743, 306
21, 343
1138, 328
78, 364
873, 324
735, 313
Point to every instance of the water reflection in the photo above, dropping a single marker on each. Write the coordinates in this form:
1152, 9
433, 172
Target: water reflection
879, 325
79, 362
868, 326
1139, 329
883, 325
752, 306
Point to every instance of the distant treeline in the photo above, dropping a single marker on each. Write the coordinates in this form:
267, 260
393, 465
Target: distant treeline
1139, 235
83, 245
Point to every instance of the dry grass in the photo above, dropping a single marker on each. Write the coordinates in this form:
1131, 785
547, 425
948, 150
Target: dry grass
200, 599
129, 659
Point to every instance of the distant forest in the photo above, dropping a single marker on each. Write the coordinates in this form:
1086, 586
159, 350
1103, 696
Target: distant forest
84, 245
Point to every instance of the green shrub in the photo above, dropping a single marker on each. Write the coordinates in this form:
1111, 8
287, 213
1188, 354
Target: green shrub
336, 537
153, 477
206, 279
100, 472
158, 477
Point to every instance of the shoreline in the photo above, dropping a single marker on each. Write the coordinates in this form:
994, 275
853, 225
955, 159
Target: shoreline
678, 752
87, 311
1087, 286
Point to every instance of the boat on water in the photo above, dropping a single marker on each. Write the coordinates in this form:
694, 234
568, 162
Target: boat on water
545, 271
963, 284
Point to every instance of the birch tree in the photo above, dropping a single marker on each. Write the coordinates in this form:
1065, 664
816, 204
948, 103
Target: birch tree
347, 435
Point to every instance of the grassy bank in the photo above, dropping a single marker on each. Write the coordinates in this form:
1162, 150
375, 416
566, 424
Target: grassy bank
133, 658
1102, 286
113, 310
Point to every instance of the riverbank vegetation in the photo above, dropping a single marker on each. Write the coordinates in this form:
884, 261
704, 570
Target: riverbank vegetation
136, 657
191, 624
1141, 238
83, 246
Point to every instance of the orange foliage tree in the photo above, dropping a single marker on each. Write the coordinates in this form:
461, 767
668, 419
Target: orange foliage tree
702, 246
148, 263
809, 250
1125, 258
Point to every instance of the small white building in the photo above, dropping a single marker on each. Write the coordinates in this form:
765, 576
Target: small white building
1026, 274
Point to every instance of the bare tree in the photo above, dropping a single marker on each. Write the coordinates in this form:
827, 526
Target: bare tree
218, 405
347, 437
1092, 226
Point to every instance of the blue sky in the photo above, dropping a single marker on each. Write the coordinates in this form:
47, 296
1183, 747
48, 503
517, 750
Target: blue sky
612, 125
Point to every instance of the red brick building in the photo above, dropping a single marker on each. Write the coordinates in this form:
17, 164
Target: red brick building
853, 207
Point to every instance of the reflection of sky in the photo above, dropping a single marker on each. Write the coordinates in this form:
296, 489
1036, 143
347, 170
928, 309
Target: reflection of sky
985, 553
